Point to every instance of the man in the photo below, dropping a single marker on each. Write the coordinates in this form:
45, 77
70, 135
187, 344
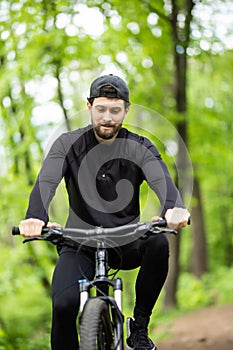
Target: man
104, 165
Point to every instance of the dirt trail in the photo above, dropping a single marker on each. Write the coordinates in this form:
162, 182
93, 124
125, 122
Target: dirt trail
209, 328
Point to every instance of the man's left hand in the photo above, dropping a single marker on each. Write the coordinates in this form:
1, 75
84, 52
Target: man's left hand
177, 218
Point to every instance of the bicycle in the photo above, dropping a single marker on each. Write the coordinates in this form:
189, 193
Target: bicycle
101, 320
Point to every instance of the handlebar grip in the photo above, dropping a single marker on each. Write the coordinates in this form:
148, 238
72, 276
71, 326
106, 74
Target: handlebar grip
15, 231
161, 223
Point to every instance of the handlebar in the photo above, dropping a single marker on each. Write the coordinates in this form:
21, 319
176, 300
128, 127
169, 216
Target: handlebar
56, 235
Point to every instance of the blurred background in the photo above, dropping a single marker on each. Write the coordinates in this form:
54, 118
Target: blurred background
177, 59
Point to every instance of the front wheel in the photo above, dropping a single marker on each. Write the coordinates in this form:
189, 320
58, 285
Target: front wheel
95, 327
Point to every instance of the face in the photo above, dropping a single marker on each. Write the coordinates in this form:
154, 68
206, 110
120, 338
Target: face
107, 116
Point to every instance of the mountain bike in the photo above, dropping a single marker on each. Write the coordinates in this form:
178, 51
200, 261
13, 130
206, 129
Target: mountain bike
101, 320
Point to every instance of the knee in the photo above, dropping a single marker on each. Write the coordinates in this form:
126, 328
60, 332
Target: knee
159, 245
163, 242
65, 307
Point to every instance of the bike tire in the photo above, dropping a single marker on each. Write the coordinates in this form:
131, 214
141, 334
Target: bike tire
95, 326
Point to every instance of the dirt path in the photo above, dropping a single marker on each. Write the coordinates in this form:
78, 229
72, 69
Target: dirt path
209, 328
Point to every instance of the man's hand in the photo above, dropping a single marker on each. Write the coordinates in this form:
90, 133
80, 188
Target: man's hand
156, 218
177, 218
53, 225
33, 227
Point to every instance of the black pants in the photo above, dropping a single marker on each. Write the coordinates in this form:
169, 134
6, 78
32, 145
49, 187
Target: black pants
150, 254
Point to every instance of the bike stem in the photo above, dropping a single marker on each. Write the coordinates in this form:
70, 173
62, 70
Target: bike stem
101, 257
102, 282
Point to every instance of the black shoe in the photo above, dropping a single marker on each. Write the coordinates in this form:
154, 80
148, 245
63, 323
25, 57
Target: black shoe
138, 337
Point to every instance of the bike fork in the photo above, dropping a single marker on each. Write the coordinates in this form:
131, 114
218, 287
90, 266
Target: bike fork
118, 317
84, 292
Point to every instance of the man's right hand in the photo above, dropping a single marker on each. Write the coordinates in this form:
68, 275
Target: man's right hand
31, 227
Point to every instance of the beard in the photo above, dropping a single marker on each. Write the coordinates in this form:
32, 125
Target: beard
107, 134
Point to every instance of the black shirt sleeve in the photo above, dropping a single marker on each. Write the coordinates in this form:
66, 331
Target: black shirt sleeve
158, 178
51, 173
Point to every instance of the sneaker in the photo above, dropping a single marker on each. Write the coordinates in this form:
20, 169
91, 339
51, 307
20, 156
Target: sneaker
138, 337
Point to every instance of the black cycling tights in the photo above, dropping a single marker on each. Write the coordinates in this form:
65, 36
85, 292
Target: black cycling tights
151, 254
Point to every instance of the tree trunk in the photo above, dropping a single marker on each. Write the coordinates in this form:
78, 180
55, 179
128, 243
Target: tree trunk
61, 97
170, 299
226, 215
181, 38
199, 250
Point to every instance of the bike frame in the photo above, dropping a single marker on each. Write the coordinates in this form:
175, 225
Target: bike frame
102, 284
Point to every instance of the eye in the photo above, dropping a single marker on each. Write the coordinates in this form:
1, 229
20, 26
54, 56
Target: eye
115, 110
100, 109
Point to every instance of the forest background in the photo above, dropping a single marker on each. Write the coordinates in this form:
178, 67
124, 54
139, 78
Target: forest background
177, 59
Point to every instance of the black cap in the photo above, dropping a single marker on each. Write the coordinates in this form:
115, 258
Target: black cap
120, 86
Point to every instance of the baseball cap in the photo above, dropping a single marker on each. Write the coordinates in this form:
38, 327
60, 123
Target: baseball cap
120, 86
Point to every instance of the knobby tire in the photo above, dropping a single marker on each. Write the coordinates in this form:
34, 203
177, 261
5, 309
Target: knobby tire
95, 327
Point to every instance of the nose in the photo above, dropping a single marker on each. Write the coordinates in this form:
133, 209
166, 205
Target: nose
107, 116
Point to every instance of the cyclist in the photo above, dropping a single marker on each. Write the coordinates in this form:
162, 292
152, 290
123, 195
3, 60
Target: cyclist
103, 165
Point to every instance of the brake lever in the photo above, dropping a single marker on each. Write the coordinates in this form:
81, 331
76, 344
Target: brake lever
163, 230
168, 230
53, 237
26, 240
155, 230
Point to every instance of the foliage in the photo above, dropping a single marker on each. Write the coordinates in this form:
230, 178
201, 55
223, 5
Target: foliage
47, 59
24, 303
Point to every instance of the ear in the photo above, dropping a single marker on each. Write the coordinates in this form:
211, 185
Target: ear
88, 105
127, 109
